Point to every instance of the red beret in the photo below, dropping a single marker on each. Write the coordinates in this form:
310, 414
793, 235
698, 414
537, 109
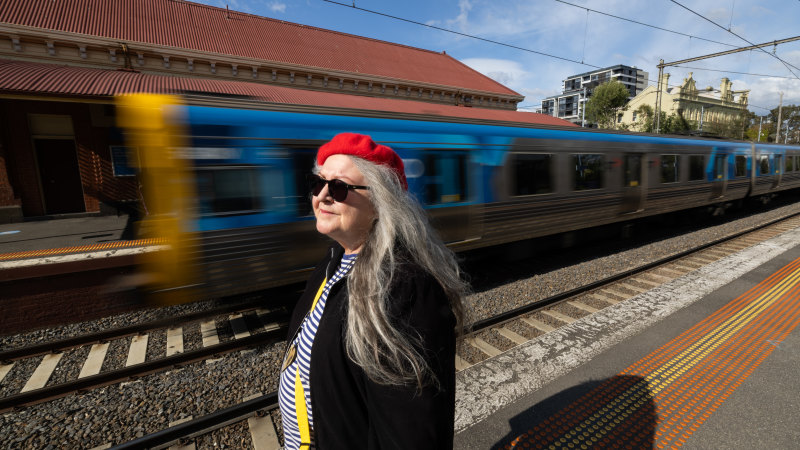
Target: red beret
363, 147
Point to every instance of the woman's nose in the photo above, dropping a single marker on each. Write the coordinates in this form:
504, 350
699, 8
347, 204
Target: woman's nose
324, 194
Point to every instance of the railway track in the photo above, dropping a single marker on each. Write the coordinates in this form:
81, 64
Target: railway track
495, 335
148, 348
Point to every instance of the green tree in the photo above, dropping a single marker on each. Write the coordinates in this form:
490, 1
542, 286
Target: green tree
644, 119
790, 118
607, 101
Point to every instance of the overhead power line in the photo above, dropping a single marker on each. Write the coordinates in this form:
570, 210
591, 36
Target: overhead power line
785, 64
738, 73
353, 6
644, 24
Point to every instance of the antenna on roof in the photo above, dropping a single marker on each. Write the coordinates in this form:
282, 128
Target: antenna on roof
227, 11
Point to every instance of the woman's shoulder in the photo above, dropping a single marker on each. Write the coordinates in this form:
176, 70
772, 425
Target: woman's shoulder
413, 287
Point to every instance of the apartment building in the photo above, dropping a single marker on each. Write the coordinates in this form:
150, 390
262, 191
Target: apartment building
569, 104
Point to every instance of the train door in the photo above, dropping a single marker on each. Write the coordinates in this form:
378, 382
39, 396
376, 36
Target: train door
778, 160
632, 182
719, 176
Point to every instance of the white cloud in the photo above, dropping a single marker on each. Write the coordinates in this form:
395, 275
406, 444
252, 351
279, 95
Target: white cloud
503, 71
277, 7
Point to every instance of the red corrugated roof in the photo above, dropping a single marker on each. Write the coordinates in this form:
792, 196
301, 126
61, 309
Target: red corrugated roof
18, 77
208, 29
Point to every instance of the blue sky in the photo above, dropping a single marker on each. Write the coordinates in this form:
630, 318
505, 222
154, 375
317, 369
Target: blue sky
559, 29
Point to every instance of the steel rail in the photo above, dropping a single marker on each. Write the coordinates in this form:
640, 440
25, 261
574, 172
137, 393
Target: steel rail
516, 312
139, 370
117, 333
202, 425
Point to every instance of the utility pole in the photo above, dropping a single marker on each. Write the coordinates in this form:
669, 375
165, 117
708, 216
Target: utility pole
759, 128
658, 96
780, 108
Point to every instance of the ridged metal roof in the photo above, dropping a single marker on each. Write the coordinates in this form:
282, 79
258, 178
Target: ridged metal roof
28, 78
187, 25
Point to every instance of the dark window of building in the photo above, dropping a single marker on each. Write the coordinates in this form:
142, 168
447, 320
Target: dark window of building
740, 166
588, 171
696, 167
669, 168
124, 160
532, 174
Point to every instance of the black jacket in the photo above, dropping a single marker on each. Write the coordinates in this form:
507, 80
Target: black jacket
351, 411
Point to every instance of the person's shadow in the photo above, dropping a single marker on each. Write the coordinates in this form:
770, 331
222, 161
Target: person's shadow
615, 412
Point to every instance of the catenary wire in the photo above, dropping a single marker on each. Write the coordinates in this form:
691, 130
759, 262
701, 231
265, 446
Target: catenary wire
643, 24
785, 64
461, 34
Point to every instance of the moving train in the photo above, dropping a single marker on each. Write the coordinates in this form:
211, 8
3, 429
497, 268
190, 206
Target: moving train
229, 183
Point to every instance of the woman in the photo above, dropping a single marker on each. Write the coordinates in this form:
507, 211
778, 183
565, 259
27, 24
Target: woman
370, 361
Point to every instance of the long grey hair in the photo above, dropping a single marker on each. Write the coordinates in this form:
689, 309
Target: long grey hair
373, 341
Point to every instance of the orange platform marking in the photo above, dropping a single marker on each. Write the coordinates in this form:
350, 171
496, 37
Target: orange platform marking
663, 398
81, 249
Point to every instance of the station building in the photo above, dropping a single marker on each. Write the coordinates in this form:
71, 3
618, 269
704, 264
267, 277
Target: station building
62, 63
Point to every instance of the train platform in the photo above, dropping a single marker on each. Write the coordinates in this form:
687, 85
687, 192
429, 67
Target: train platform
47, 240
707, 361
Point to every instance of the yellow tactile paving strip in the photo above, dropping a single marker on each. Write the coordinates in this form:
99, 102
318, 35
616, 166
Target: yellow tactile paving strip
662, 399
81, 249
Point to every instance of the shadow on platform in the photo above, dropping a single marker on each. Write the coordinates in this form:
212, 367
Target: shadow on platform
618, 412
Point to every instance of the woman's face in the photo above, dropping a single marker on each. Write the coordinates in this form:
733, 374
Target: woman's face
347, 222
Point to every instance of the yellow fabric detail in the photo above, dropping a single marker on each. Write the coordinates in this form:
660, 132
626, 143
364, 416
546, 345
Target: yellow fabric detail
299, 393
319, 294
302, 412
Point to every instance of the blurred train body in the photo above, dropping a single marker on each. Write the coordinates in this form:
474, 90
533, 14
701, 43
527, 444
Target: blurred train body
248, 224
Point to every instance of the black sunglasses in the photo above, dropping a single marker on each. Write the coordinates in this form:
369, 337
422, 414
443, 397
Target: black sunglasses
337, 189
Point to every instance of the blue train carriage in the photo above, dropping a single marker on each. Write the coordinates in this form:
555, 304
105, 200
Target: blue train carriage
483, 183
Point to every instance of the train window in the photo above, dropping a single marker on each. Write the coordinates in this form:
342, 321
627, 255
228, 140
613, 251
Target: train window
303, 165
696, 167
669, 169
740, 166
588, 171
228, 190
789, 163
531, 174
632, 166
763, 164
778, 163
797, 163
445, 178
719, 167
